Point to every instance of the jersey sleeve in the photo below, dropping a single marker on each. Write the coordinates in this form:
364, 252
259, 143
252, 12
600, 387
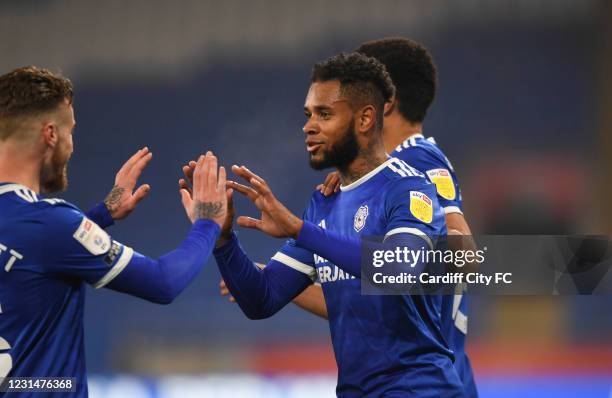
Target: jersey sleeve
100, 215
440, 172
298, 258
76, 247
295, 257
411, 207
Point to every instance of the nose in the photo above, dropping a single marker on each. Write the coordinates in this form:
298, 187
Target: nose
310, 127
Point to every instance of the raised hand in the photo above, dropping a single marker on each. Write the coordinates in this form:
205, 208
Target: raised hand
208, 199
122, 199
187, 182
276, 220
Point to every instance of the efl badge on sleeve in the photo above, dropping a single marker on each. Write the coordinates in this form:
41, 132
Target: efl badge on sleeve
444, 183
360, 218
92, 237
421, 206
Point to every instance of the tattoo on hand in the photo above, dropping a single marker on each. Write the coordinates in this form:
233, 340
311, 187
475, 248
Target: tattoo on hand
113, 199
207, 209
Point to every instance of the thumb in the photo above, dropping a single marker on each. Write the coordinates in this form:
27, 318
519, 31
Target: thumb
249, 222
186, 199
140, 193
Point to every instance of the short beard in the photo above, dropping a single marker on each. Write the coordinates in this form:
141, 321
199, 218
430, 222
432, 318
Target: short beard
54, 176
341, 154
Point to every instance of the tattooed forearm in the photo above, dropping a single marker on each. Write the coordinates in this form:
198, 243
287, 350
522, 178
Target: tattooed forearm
207, 209
113, 199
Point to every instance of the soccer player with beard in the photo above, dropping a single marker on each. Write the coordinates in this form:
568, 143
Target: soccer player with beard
385, 345
413, 72
49, 249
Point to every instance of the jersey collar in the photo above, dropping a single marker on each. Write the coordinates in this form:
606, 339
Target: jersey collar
22, 191
365, 178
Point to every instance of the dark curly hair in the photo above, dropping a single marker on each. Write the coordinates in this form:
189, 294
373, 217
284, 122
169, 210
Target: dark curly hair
27, 91
413, 72
363, 80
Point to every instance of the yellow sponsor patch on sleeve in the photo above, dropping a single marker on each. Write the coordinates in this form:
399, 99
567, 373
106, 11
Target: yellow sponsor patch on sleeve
444, 183
421, 206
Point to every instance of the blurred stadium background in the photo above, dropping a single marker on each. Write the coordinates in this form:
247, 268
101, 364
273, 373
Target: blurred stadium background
523, 111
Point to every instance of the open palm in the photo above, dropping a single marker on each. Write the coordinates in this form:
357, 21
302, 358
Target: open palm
123, 199
276, 220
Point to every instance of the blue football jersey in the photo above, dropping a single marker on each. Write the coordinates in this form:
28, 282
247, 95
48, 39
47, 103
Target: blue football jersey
48, 249
425, 155
385, 345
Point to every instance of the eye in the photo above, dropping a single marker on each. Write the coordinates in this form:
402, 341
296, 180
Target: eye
325, 115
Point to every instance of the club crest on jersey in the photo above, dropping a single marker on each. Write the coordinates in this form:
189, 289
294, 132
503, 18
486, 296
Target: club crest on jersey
360, 218
421, 206
444, 183
92, 237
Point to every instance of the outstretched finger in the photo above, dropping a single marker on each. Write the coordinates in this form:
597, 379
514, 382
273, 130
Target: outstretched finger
205, 176
222, 179
253, 175
192, 165
243, 189
183, 185
188, 172
246, 174
249, 222
212, 174
261, 188
187, 201
198, 177
134, 158
139, 166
